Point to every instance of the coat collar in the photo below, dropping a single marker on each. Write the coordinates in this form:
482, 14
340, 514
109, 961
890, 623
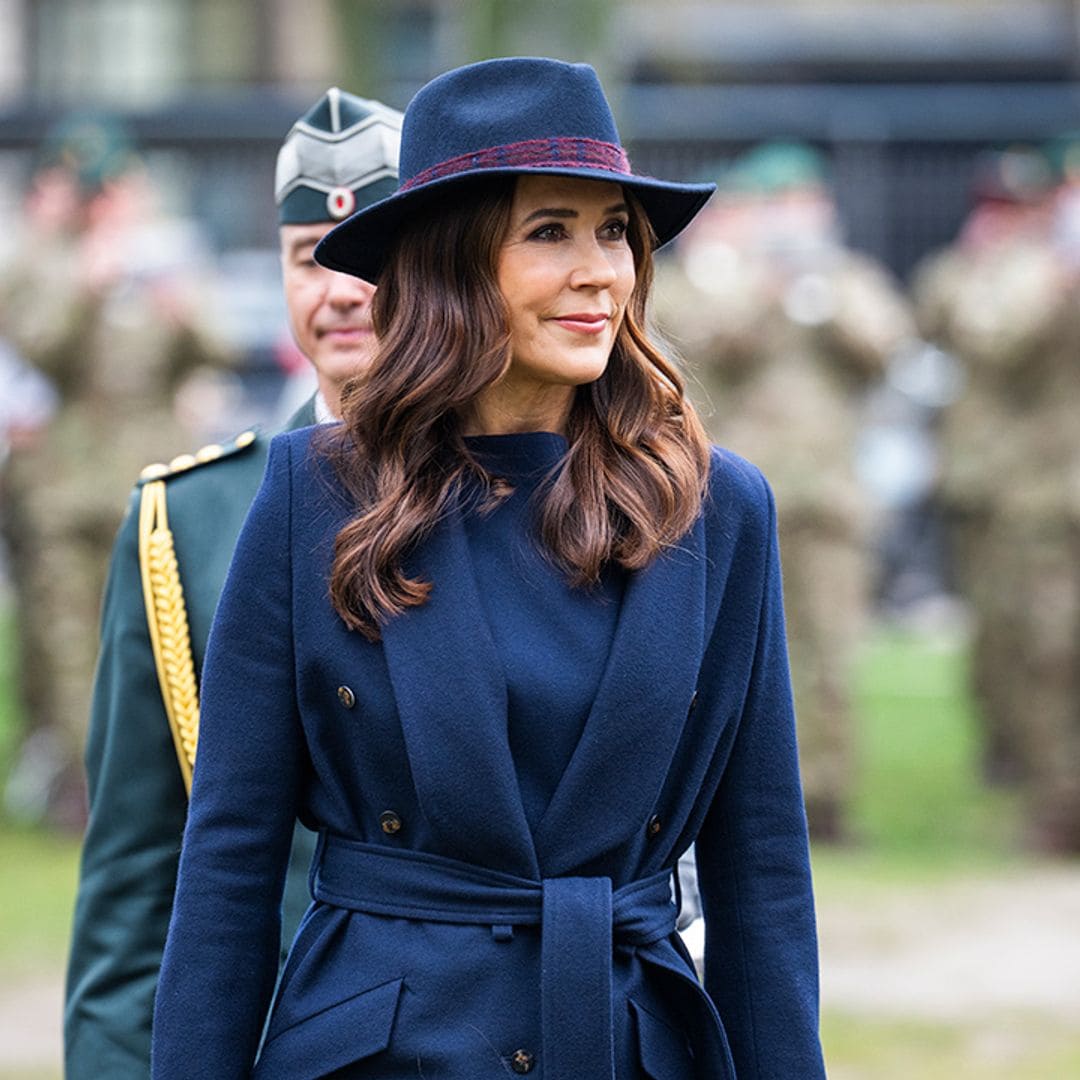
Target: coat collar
305, 416
451, 695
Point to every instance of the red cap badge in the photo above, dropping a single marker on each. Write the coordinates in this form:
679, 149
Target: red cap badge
341, 202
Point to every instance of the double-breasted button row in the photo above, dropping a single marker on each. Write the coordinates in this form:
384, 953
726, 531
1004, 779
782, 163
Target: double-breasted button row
390, 822
521, 1061
346, 697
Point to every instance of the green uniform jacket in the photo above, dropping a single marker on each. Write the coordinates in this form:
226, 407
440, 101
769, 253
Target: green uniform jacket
138, 802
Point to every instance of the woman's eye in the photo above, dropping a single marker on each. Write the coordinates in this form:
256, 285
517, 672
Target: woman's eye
615, 230
547, 232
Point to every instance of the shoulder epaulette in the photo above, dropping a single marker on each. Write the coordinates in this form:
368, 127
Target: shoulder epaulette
163, 596
166, 620
204, 456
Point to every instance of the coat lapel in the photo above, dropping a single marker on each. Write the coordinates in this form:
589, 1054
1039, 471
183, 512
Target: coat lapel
637, 717
451, 695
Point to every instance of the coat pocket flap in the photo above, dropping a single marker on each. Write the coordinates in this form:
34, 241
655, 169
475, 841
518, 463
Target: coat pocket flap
344, 1033
665, 1053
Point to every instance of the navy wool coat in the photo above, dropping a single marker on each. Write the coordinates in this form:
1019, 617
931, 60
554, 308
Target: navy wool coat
448, 939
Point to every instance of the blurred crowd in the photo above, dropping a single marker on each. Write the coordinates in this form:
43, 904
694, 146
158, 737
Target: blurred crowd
922, 439
103, 320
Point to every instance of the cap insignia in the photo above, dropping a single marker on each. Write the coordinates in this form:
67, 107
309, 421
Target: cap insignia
341, 202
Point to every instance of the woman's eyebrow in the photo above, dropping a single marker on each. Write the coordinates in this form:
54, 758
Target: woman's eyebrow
566, 212
549, 212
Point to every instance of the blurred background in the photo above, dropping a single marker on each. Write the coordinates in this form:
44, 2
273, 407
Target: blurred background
880, 308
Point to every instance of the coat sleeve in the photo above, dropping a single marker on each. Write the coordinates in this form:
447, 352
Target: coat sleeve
754, 870
221, 956
132, 844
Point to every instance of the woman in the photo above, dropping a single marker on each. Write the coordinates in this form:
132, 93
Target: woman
512, 639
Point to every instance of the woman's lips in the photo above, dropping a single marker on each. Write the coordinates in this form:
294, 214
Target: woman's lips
582, 322
346, 333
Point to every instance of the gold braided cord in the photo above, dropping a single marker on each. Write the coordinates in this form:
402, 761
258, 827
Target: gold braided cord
166, 618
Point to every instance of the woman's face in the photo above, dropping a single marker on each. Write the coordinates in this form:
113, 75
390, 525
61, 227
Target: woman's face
566, 272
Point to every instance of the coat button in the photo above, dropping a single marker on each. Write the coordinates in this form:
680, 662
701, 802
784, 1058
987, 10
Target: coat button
389, 822
346, 697
521, 1061
653, 828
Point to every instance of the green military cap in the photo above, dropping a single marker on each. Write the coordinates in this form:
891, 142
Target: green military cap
775, 167
342, 154
1063, 154
94, 147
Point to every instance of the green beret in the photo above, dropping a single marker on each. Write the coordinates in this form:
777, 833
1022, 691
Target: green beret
341, 155
1063, 154
776, 167
94, 148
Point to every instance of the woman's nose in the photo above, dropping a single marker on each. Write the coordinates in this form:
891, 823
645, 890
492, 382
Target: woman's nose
594, 268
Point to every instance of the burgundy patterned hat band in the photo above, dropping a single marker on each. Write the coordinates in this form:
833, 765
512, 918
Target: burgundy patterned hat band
562, 152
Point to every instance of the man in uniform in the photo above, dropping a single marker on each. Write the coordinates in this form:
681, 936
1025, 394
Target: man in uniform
997, 299
168, 566
94, 301
787, 330
1004, 299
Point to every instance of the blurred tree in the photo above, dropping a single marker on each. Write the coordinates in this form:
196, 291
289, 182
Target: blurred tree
571, 29
415, 39
363, 61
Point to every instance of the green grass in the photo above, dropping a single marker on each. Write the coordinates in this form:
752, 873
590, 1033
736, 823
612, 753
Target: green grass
920, 813
37, 890
37, 885
37, 881
920, 799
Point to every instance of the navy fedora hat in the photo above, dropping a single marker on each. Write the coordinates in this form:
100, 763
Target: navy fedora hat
508, 116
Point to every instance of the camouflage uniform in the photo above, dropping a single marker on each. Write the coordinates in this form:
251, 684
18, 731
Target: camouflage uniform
1004, 299
998, 310
177, 540
1036, 571
116, 357
785, 340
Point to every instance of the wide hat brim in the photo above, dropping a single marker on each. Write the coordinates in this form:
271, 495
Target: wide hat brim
361, 243
512, 116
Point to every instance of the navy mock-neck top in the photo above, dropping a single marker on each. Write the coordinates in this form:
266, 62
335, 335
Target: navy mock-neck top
540, 624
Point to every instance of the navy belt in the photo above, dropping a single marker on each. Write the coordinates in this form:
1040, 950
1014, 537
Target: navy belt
581, 920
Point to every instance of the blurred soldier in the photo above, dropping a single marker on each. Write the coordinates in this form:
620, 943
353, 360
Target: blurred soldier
1043, 524
787, 329
168, 566
97, 299
1037, 533
27, 401
995, 299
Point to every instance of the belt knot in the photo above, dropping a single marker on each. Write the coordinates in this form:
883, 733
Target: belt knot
581, 919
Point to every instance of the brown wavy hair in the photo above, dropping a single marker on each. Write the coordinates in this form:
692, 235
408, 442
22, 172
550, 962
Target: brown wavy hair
636, 469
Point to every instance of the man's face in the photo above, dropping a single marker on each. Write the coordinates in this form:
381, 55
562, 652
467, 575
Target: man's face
330, 312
